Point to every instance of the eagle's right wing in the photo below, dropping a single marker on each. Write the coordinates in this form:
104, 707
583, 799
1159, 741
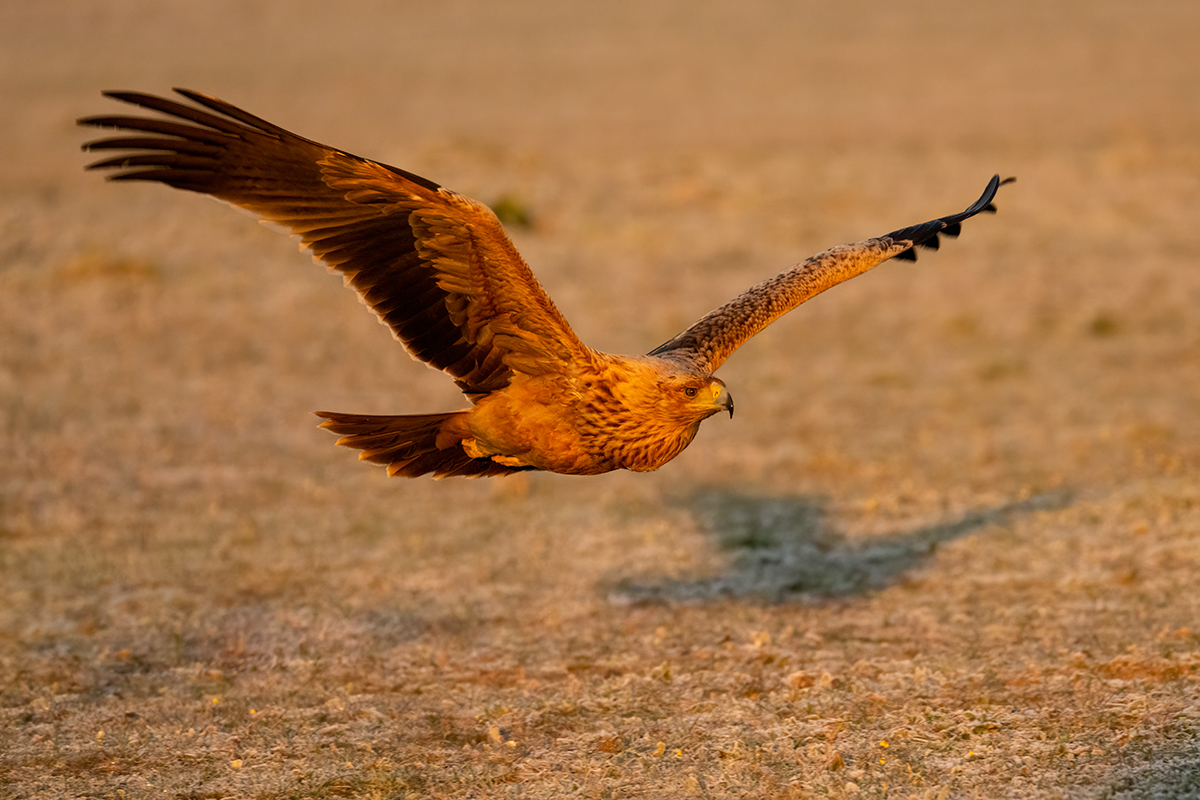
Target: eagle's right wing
435, 267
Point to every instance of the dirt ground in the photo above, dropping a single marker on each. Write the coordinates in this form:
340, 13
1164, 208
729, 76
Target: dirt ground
949, 547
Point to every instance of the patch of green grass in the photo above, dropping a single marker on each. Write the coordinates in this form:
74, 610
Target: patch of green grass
512, 211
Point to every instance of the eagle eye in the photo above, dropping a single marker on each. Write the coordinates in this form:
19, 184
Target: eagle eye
690, 391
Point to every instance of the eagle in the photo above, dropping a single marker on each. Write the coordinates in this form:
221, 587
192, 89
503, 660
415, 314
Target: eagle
438, 269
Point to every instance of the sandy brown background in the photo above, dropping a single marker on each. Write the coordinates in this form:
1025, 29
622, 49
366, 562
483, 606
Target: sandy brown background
949, 547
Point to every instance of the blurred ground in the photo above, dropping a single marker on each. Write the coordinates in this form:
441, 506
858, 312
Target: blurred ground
947, 548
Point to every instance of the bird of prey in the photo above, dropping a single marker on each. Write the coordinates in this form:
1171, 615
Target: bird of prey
438, 269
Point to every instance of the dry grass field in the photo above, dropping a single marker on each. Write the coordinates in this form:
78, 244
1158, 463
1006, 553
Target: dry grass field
949, 547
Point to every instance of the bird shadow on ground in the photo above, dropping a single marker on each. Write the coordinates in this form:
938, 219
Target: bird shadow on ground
1171, 776
784, 549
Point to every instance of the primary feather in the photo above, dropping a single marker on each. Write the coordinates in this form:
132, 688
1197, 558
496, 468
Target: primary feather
438, 269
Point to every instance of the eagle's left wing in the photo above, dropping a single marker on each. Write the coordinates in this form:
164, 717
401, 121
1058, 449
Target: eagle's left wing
712, 338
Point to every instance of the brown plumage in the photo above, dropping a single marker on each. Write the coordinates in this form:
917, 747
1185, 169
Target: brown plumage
438, 269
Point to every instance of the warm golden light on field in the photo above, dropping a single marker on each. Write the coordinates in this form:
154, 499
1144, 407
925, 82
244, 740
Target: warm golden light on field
948, 547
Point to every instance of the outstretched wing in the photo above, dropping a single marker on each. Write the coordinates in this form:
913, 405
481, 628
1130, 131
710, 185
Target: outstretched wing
714, 337
436, 267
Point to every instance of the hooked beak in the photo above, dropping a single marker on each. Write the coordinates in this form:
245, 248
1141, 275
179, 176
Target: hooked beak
725, 401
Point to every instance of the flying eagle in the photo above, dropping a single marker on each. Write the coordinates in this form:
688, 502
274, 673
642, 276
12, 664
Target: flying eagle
438, 269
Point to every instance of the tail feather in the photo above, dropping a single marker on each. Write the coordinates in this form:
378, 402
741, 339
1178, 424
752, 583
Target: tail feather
409, 445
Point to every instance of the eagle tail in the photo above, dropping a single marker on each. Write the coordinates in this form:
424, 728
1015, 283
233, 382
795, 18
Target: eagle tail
413, 445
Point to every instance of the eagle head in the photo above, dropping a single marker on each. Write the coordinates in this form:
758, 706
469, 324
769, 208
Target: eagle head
648, 409
695, 396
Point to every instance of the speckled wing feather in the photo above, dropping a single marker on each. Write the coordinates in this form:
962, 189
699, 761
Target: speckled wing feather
714, 337
436, 267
